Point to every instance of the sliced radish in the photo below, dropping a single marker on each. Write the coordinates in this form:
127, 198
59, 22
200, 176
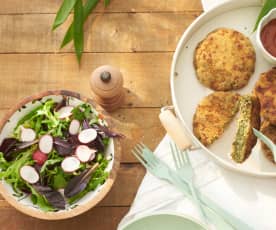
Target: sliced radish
84, 153
65, 111
93, 155
27, 134
74, 127
46, 143
29, 174
39, 157
87, 135
70, 164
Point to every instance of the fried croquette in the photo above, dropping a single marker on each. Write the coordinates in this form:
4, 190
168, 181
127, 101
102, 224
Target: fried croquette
265, 89
268, 130
224, 60
213, 114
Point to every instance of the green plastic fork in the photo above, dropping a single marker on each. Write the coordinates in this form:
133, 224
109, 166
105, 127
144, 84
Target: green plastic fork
158, 168
184, 169
165, 173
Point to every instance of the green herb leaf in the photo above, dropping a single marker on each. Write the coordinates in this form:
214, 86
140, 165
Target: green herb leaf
82, 112
68, 36
88, 7
78, 114
59, 180
78, 29
269, 5
106, 2
63, 12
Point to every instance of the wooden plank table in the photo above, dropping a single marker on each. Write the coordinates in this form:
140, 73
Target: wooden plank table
138, 36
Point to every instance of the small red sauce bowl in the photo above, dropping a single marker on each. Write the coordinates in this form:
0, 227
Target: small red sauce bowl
265, 20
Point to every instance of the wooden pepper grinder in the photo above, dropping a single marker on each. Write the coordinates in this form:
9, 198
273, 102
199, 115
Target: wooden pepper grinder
107, 84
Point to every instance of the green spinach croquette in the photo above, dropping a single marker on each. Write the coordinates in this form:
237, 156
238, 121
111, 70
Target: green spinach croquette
249, 118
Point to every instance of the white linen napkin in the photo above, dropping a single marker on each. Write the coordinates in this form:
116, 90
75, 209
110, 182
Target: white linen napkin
251, 199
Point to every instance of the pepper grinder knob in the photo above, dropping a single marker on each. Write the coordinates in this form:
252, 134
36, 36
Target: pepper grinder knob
107, 84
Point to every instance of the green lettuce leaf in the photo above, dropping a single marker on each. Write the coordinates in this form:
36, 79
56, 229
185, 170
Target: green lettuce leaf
59, 180
43, 120
10, 171
3, 163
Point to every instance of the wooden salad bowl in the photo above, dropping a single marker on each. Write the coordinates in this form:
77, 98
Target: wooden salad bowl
89, 200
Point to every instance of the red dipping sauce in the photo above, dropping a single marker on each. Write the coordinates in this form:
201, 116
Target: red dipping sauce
268, 37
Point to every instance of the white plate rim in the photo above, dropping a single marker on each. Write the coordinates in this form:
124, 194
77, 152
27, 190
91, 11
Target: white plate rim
228, 5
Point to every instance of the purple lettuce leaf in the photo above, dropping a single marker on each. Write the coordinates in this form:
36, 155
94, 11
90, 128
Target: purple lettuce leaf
85, 124
77, 184
8, 145
11, 146
107, 131
52, 196
63, 147
97, 144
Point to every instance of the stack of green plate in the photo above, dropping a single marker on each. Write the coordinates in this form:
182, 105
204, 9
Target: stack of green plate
163, 222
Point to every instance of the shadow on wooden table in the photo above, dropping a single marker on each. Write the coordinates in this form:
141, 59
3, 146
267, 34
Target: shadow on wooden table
99, 218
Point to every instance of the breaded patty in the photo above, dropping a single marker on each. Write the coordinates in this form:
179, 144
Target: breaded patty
249, 118
268, 130
224, 60
265, 90
213, 114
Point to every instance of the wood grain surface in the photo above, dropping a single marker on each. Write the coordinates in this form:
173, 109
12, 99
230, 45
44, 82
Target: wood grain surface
138, 36
114, 32
40, 72
40, 7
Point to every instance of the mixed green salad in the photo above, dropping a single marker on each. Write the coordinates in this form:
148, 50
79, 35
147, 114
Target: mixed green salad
56, 154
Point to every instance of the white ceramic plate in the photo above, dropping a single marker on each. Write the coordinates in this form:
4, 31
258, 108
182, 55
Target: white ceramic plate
187, 92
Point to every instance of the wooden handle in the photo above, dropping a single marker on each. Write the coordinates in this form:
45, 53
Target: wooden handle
175, 129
